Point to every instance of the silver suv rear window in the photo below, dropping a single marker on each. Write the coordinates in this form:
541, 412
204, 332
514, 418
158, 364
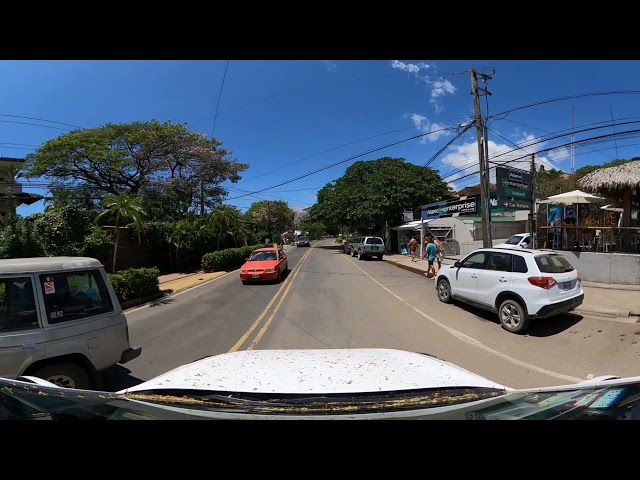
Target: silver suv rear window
553, 263
374, 241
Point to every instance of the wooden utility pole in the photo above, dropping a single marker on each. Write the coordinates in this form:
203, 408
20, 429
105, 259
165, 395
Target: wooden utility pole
533, 227
483, 148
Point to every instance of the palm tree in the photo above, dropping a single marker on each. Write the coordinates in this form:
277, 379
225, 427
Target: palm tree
125, 209
228, 222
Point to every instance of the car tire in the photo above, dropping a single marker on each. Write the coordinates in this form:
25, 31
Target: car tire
279, 279
360, 255
444, 291
244, 282
68, 375
513, 316
353, 252
379, 257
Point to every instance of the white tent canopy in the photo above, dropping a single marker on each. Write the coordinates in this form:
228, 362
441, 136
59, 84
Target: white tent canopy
576, 196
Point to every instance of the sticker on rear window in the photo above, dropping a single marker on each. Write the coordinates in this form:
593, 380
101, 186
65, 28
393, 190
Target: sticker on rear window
49, 288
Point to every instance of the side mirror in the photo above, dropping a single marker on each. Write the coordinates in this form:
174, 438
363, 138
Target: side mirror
456, 265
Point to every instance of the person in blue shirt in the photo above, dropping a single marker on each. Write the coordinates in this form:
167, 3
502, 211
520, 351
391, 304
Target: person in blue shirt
431, 256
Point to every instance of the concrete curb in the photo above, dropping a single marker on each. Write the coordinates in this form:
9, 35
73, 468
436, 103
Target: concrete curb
419, 271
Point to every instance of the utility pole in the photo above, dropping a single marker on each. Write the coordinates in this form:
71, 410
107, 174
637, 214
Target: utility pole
483, 156
533, 227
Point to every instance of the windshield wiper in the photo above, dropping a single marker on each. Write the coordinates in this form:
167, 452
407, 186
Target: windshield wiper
317, 404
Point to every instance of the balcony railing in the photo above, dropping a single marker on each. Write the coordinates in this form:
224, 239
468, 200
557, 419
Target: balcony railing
590, 239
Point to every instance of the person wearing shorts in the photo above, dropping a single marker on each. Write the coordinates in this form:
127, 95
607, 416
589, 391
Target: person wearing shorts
413, 248
431, 255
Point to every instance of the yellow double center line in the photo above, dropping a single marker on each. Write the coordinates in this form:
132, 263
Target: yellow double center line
287, 283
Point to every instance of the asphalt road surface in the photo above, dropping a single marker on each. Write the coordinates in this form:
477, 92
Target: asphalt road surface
331, 300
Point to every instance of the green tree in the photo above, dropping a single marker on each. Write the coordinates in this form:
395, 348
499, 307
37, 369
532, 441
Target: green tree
19, 238
372, 195
129, 157
272, 216
227, 223
124, 209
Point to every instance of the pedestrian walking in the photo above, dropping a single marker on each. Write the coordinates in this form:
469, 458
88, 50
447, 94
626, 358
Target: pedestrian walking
439, 253
413, 248
431, 257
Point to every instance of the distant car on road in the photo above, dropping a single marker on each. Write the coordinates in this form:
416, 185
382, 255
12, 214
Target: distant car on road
264, 264
517, 284
519, 240
303, 241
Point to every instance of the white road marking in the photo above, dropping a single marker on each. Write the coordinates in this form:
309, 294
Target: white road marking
472, 341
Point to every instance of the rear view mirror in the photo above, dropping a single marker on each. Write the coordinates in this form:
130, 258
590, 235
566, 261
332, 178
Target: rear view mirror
456, 265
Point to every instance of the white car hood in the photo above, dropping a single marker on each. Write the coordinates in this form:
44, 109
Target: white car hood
319, 371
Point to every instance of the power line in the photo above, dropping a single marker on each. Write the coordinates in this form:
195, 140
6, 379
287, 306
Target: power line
215, 118
341, 162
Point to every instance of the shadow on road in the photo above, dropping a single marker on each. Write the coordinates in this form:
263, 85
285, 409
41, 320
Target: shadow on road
164, 301
541, 327
117, 378
330, 247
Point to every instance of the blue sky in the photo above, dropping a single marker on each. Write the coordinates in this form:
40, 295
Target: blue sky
290, 118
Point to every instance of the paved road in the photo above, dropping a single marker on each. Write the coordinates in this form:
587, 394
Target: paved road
331, 300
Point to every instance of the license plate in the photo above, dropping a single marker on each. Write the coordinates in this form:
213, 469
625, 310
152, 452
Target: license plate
566, 285
374, 248
255, 275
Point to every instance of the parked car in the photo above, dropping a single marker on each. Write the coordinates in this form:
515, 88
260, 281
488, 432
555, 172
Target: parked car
60, 320
519, 240
351, 384
265, 264
519, 285
347, 246
303, 241
366, 247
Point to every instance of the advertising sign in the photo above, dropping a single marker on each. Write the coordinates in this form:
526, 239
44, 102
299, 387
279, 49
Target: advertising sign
513, 184
449, 208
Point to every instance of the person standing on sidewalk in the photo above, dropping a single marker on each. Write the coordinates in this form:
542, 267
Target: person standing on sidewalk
431, 254
413, 248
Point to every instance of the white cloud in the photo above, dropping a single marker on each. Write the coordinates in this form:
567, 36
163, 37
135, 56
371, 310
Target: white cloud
440, 88
460, 166
560, 154
423, 125
409, 67
330, 66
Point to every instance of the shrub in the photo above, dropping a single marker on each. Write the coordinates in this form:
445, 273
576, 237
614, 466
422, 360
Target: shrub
228, 259
135, 283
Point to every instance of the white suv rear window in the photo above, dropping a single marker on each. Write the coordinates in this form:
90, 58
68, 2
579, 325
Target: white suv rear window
553, 263
374, 241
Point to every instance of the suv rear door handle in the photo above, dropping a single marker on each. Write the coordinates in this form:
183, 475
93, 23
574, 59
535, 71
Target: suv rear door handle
473, 275
502, 279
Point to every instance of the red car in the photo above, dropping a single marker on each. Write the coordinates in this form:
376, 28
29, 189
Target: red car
269, 263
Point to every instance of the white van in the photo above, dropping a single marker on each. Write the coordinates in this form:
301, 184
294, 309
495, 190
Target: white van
60, 320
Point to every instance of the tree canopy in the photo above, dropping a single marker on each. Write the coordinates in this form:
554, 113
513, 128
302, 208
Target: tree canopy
371, 193
271, 216
131, 157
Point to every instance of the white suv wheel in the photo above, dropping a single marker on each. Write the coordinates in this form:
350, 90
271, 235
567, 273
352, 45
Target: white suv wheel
513, 317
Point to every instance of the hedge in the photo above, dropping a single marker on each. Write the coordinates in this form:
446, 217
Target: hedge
135, 283
228, 259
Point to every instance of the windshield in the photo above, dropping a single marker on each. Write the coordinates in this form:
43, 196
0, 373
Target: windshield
259, 256
514, 240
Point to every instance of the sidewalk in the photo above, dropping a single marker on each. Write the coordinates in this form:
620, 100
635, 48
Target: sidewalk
617, 302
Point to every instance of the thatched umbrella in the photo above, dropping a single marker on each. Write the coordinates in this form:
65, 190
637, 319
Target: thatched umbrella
617, 183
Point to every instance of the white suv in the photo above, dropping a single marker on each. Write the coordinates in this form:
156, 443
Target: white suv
519, 285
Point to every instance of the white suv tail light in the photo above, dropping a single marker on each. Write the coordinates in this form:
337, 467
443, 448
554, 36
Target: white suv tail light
543, 282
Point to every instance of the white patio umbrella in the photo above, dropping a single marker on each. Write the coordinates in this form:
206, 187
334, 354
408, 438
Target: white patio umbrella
576, 196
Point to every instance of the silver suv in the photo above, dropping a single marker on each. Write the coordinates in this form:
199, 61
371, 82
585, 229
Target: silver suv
365, 247
60, 320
